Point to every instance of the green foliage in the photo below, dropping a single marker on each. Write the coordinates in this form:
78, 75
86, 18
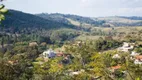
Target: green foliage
57, 17
103, 44
2, 12
91, 59
19, 20
63, 34
50, 70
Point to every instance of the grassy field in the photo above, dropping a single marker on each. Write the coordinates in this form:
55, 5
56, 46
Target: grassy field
86, 37
118, 30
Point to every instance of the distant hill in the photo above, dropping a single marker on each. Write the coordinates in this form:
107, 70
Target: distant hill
132, 17
122, 21
67, 18
60, 27
113, 21
18, 20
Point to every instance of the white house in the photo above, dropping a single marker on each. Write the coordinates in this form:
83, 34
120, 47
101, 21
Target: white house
77, 72
49, 54
133, 53
138, 59
126, 47
116, 56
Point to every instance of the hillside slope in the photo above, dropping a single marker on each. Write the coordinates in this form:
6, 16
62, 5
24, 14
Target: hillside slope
122, 21
68, 19
112, 21
18, 20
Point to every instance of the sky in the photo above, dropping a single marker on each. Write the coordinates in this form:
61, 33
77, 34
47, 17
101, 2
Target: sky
90, 8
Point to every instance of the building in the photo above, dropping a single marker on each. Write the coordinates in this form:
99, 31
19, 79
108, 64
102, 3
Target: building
12, 62
138, 59
77, 72
133, 53
49, 54
60, 54
32, 44
126, 47
114, 68
116, 56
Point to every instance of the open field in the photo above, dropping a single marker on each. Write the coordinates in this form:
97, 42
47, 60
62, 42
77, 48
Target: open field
116, 30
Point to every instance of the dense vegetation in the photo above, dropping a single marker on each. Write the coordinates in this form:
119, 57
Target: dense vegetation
63, 18
86, 58
24, 37
19, 20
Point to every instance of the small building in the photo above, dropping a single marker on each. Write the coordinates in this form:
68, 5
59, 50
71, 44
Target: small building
133, 53
116, 56
126, 47
114, 68
77, 72
13, 62
125, 44
60, 54
32, 44
49, 54
138, 59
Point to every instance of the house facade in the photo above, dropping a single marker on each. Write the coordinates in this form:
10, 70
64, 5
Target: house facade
126, 47
49, 54
138, 59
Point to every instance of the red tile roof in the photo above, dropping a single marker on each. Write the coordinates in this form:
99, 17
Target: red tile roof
116, 67
60, 65
139, 57
60, 54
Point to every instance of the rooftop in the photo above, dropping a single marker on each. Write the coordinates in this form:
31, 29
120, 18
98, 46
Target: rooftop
116, 67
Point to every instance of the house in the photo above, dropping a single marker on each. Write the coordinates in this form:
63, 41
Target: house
138, 59
133, 53
114, 68
78, 43
116, 56
59, 54
60, 65
126, 47
12, 62
77, 72
32, 44
114, 72
49, 54
125, 44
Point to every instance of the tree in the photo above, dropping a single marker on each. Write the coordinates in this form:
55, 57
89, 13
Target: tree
2, 11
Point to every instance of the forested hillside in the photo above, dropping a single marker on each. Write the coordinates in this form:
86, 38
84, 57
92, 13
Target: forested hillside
20, 20
57, 28
132, 18
122, 21
112, 21
64, 18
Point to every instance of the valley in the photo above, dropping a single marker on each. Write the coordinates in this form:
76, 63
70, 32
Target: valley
70, 47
